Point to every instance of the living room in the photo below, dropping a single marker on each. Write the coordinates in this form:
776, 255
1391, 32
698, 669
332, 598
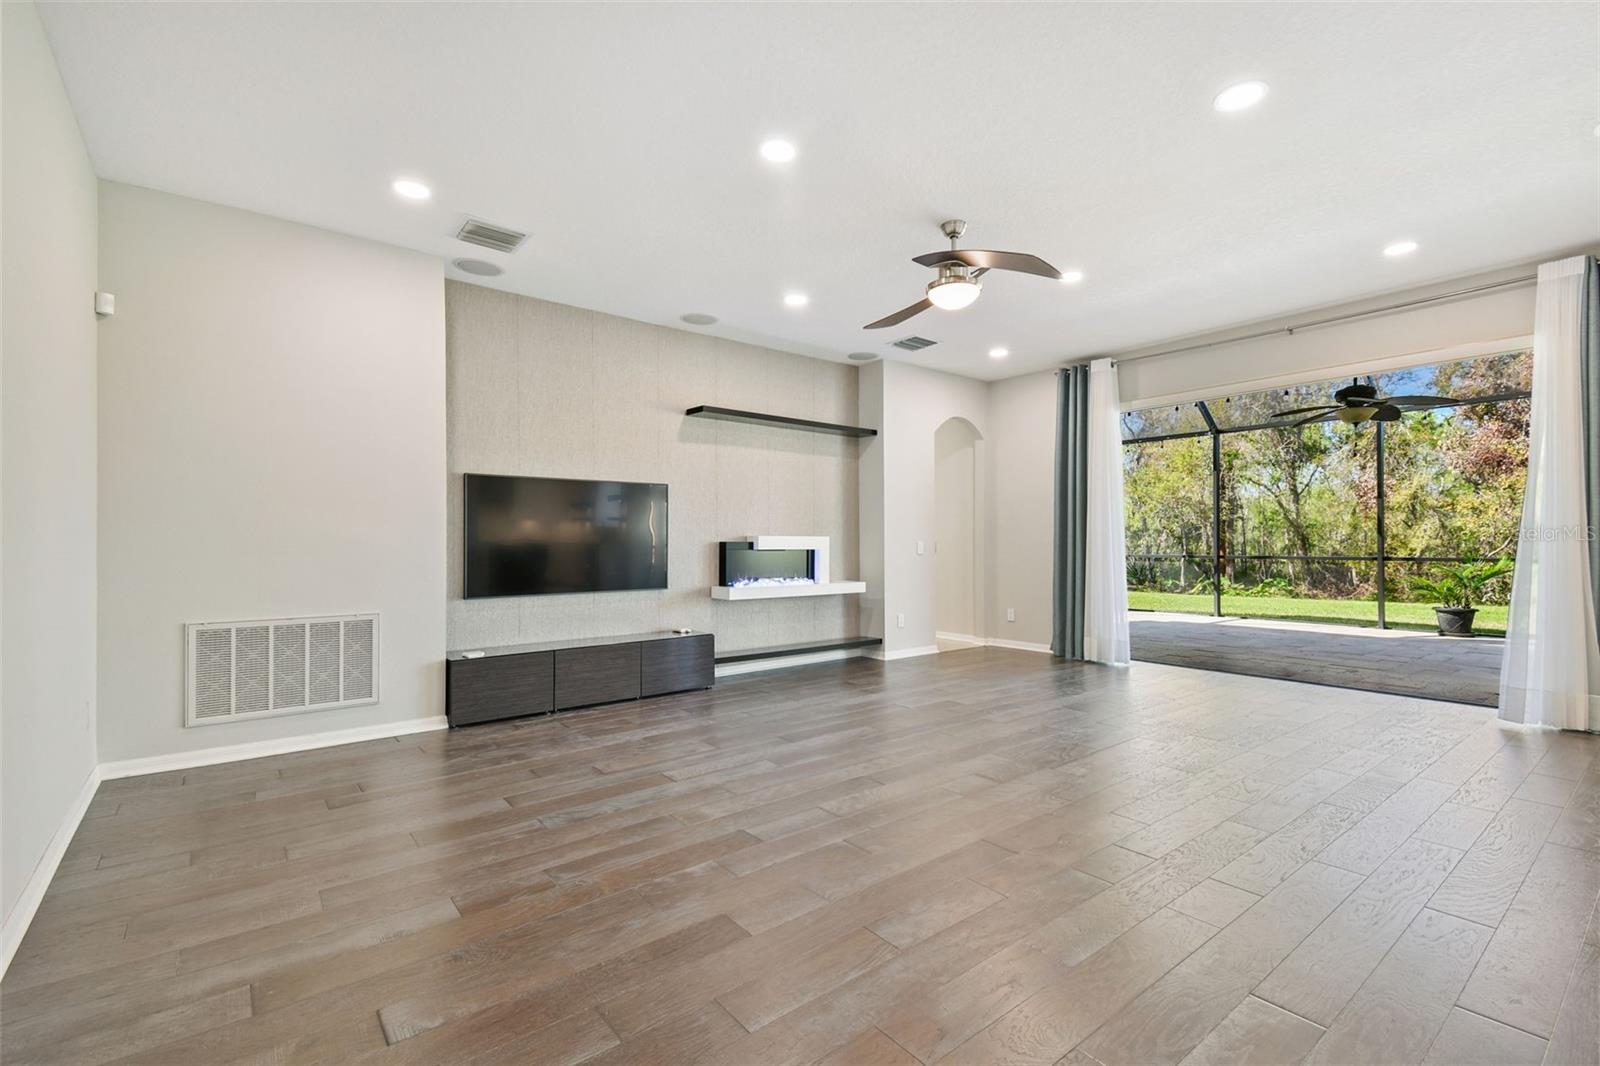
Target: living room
549, 533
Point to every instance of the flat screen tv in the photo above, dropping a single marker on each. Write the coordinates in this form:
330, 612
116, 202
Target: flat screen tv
535, 536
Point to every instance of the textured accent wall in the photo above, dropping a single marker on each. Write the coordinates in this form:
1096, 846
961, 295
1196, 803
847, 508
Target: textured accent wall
543, 389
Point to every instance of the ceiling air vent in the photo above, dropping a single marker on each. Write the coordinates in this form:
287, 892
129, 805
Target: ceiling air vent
914, 343
488, 235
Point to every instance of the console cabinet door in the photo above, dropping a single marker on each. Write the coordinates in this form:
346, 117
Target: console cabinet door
677, 664
499, 686
596, 675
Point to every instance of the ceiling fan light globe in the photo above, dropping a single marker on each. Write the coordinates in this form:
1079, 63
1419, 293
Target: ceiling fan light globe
952, 294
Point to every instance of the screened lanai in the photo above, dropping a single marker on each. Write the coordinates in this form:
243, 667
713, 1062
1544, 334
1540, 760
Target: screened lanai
1312, 545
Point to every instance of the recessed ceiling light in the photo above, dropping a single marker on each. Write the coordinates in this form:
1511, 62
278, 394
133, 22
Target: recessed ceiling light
795, 299
1245, 95
411, 189
777, 150
481, 267
699, 318
1399, 248
862, 357
1071, 277
999, 353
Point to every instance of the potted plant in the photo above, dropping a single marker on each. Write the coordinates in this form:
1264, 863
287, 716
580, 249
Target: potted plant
1455, 589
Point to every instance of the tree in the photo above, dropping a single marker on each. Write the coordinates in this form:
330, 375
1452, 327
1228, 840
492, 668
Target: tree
1167, 499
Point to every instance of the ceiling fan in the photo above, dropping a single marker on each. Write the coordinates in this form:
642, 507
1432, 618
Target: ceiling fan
1356, 403
959, 270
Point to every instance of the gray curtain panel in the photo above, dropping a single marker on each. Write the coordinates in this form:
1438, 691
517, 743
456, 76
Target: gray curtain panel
1071, 510
1589, 364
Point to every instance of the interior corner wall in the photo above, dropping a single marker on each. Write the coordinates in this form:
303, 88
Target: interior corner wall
47, 455
272, 445
543, 389
915, 402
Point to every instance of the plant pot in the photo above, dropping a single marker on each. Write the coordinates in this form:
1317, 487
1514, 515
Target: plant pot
1455, 621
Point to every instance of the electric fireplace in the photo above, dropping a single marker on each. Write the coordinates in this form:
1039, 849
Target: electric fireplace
770, 567
743, 564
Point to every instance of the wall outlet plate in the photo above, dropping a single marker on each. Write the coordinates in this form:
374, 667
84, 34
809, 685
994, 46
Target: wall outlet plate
1011, 614
900, 620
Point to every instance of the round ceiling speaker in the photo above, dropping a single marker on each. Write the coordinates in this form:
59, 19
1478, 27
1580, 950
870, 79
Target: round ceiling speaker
862, 357
481, 267
699, 318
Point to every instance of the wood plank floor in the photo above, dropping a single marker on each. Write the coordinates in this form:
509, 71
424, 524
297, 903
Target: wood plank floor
980, 857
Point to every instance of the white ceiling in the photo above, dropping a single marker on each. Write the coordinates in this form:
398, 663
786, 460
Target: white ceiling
623, 139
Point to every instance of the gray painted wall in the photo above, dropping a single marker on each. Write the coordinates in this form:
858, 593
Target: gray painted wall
538, 388
957, 524
1022, 414
914, 403
271, 445
47, 376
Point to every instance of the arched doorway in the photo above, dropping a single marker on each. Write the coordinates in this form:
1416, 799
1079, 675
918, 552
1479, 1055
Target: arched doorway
958, 535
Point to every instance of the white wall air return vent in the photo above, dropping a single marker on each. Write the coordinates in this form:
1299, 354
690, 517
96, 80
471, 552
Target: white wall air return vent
488, 235
913, 343
261, 669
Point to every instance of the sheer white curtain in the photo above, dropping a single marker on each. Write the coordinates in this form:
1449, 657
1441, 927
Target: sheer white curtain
1551, 671
1105, 597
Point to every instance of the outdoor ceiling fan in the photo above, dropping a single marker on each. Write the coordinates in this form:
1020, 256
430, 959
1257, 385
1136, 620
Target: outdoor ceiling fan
1356, 403
959, 270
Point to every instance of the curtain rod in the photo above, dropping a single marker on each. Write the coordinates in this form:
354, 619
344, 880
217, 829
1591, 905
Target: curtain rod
1522, 279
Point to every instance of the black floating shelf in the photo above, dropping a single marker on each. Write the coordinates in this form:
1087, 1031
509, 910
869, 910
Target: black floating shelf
783, 650
728, 414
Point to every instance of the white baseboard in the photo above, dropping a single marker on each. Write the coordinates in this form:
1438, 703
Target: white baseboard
756, 666
27, 905
962, 638
1017, 645
903, 653
188, 760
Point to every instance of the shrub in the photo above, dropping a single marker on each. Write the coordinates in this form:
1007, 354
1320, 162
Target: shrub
1462, 585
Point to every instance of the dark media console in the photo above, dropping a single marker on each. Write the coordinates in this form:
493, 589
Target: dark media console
524, 679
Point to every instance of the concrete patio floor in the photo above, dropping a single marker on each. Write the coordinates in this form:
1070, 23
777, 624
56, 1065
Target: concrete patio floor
1403, 662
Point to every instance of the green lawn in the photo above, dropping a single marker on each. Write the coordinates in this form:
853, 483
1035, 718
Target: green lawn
1491, 620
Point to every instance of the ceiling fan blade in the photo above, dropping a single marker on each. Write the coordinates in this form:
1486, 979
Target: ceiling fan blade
1302, 410
1420, 401
1387, 412
1308, 421
1021, 262
900, 315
